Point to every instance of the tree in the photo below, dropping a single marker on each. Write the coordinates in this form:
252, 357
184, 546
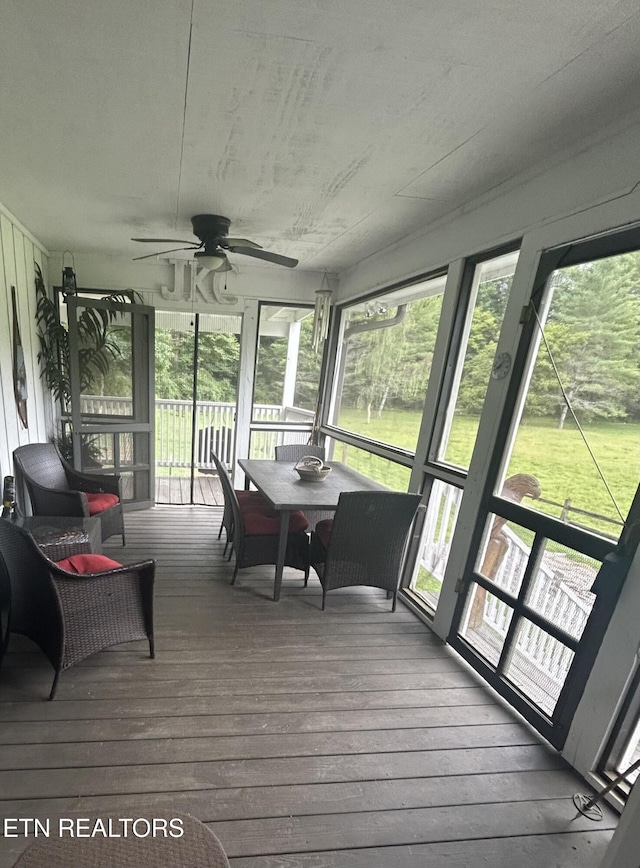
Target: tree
481, 347
270, 366
308, 375
592, 332
390, 366
218, 356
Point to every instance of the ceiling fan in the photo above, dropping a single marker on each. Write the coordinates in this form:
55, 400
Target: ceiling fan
212, 231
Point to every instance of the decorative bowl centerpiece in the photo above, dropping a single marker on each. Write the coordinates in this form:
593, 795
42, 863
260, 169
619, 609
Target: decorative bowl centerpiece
312, 469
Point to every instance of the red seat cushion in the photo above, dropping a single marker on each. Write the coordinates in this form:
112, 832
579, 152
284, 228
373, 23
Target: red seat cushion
101, 501
88, 563
323, 531
265, 521
245, 496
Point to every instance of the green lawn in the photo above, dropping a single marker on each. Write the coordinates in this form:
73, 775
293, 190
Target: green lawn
558, 459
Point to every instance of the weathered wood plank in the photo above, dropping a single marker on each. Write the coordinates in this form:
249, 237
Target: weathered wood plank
154, 670
32, 684
107, 709
176, 490
418, 720
569, 850
565, 850
255, 746
320, 798
256, 656
253, 640
164, 775
395, 828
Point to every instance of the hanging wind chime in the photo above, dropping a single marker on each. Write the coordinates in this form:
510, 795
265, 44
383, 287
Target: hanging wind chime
321, 313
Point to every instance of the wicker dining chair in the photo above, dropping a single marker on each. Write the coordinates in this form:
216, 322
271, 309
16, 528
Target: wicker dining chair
71, 615
366, 542
255, 532
295, 451
226, 523
56, 488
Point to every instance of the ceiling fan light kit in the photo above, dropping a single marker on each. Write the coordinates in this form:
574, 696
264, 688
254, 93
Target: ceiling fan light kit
212, 231
211, 261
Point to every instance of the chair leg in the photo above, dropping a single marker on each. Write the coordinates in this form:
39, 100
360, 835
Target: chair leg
230, 552
395, 597
152, 647
220, 532
224, 550
54, 686
5, 644
234, 576
306, 575
324, 598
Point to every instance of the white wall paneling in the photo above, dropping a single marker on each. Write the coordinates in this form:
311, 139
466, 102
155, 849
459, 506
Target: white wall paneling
18, 250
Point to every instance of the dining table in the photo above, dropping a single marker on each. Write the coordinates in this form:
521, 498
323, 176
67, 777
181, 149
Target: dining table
280, 484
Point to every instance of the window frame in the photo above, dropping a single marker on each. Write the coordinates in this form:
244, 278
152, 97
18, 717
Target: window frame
391, 452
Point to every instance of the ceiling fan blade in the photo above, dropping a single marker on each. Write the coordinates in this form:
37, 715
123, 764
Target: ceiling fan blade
276, 258
162, 252
238, 242
163, 241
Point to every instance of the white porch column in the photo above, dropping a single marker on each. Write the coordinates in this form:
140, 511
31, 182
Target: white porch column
624, 849
291, 369
248, 340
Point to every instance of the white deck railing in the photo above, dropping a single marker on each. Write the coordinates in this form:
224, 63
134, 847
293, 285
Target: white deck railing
550, 596
215, 427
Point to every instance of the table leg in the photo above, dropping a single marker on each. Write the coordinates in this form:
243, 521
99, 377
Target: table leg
282, 550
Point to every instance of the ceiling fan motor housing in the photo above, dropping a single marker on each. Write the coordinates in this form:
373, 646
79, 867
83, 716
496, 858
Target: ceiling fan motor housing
210, 227
212, 230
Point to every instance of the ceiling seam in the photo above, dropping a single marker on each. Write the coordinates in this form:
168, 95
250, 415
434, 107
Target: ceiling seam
184, 116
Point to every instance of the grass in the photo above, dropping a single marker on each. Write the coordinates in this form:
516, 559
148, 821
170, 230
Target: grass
558, 459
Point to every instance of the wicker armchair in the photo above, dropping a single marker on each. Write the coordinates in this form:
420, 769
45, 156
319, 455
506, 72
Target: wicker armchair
55, 488
71, 616
365, 543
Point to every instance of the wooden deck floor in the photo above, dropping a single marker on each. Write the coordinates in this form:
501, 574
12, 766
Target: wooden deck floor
207, 490
342, 739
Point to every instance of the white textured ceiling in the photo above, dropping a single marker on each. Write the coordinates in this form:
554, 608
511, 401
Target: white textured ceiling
324, 129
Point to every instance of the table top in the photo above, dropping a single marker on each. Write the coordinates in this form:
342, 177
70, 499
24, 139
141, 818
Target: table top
62, 522
281, 485
60, 536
